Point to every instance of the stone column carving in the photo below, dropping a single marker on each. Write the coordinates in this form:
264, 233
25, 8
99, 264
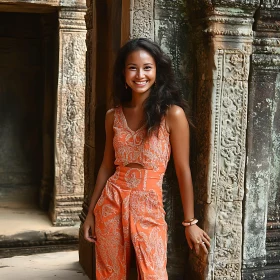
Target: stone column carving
142, 19
223, 39
261, 215
69, 136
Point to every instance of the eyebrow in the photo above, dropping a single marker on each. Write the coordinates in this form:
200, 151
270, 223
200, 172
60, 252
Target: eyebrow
148, 63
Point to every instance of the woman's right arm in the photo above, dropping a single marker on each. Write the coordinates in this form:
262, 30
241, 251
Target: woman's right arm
106, 170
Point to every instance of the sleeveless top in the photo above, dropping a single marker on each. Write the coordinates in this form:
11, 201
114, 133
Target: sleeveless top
130, 146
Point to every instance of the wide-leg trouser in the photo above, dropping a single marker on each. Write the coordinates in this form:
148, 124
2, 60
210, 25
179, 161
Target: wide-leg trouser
130, 211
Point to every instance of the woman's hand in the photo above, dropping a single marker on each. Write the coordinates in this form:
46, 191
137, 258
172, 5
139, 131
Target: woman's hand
197, 239
89, 228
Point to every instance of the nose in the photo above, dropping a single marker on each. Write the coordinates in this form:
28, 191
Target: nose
140, 73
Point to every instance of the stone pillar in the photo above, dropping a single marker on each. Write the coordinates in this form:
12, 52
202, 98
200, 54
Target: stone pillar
261, 214
69, 130
223, 42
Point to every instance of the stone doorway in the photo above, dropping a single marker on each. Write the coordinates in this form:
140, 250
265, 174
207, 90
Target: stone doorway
42, 83
27, 109
28, 54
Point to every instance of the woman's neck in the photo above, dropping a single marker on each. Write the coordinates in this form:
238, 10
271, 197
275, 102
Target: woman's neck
138, 99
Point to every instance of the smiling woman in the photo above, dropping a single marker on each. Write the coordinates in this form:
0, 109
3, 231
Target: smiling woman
126, 210
140, 72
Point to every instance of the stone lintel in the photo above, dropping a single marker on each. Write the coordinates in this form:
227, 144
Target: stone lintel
52, 3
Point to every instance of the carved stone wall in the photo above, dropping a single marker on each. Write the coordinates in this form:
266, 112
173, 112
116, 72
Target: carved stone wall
223, 41
261, 217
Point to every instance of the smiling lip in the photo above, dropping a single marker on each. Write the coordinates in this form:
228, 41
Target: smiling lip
141, 83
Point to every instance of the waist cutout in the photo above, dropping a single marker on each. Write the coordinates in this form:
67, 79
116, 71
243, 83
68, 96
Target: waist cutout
137, 178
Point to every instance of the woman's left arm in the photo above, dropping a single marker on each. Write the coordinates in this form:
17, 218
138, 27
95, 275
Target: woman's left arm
178, 127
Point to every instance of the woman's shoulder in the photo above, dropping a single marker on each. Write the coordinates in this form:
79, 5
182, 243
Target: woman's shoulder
109, 118
175, 115
175, 112
112, 113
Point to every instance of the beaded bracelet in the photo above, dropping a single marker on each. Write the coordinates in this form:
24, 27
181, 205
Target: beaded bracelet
190, 223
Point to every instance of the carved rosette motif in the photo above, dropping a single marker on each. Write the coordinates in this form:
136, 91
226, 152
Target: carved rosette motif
69, 166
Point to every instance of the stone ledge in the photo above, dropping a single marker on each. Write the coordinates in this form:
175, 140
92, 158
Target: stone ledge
33, 242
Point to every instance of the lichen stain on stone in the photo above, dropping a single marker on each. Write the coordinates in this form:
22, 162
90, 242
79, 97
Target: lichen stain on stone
172, 31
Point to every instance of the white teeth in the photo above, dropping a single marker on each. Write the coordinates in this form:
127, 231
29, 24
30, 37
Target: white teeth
140, 83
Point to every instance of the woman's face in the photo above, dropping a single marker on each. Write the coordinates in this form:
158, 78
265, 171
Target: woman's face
140, 71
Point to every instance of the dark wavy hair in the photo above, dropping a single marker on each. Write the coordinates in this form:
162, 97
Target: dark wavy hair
164, 92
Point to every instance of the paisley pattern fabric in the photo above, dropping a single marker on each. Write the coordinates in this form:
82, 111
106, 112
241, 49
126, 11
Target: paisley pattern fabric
130, 210
133, 147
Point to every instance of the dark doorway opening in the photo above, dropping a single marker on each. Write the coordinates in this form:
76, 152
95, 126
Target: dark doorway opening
21, 104
28, 74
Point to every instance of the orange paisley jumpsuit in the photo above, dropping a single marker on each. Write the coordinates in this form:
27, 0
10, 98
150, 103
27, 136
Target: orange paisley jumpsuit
130, 208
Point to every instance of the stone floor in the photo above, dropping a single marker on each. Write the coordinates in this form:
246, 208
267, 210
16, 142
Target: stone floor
29, 230
60, 266
16, 220
25, 229
19, 212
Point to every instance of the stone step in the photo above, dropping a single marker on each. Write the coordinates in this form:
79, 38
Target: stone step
30, 231
33, 242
